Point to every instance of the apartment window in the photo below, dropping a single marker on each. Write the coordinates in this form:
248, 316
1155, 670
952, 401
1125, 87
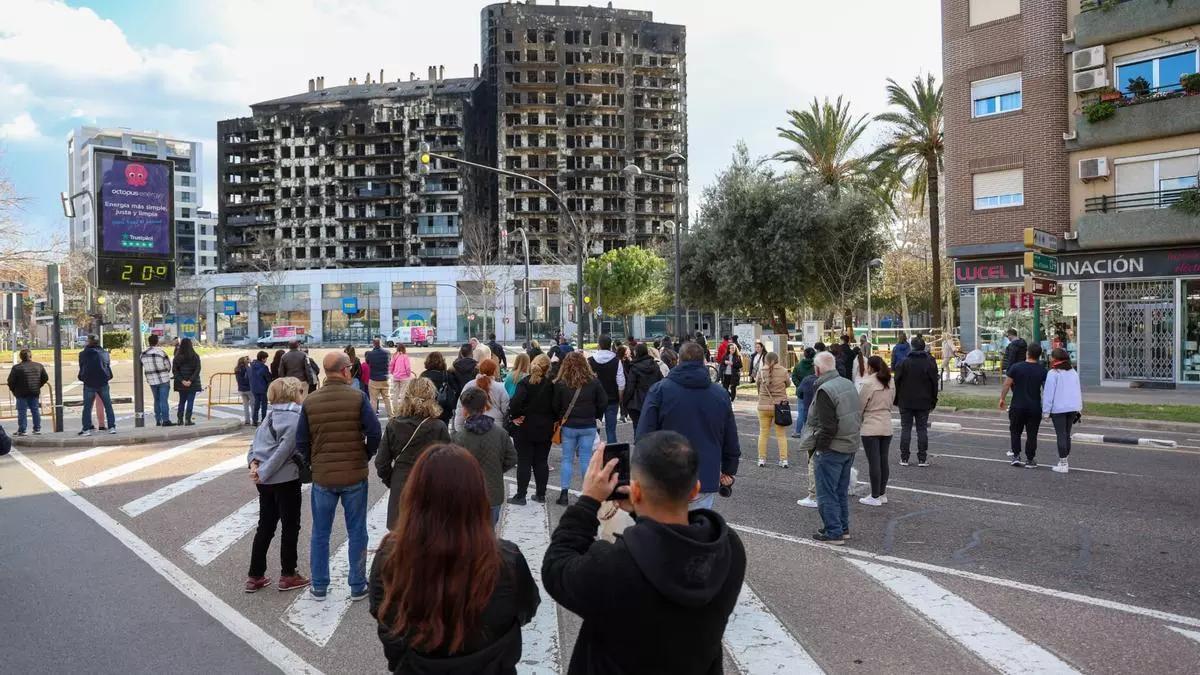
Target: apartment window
999, 189
983, 11
1165, 173
1160, 68
996, 95
507, 37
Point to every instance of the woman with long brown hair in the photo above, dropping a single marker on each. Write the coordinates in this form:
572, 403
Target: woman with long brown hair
447, 594
579, 400
533, 413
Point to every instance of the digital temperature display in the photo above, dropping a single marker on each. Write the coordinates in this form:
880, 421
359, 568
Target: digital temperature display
131, 274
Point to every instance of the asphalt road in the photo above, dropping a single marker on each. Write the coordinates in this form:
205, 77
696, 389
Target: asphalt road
972, 567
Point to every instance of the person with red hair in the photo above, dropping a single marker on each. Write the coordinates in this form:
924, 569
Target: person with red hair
448, 595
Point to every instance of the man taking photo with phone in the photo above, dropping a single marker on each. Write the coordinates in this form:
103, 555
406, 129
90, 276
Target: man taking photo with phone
657, 599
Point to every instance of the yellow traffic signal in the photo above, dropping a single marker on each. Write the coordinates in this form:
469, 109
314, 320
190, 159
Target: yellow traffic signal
101, 300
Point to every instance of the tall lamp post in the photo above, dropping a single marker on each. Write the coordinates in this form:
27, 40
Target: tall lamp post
876, 262
675, 161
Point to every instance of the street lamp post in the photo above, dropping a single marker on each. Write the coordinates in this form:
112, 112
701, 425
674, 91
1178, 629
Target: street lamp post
876, 262
528, 314
675, 160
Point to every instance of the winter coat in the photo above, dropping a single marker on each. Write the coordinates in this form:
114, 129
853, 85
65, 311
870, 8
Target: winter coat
493, 448
804, 368
92, 369
338, 434
497, 403
806, 391
400, 368
494, 648
438, 378
498, 353
643, 373
589, 407
274, 445
294, 364
186, 369
1014, 353
686, 401
772, 387
846, 359
834, 418
876, 403
900, 352
1061, 393
242, 375
26, 379
730, 365
393, 462
917, 381
610, 371
464, 370
534, 402
756, 364
260, 378
656, 600
377, 358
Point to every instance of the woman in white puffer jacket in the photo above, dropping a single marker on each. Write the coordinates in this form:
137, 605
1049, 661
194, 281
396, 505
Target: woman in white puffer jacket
1062, 402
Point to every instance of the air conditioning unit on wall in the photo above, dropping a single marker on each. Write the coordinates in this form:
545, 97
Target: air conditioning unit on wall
1088, 58
1095, 167
1089, 80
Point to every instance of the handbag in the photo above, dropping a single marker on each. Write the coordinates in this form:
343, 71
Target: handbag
556, 438
302, 467
783, 414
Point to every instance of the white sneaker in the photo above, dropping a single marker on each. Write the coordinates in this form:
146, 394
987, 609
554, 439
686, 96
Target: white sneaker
1009, 454
870, 501
1061, 467
882, 499
807, 501
762, 462
783, 464
112, 430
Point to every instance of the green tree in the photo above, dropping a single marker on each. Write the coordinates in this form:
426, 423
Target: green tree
914, 151
824, 136
851, 235
627, 281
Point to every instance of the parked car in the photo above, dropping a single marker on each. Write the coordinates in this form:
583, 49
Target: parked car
280, 336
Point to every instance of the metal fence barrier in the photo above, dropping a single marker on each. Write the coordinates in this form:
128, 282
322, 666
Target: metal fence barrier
222, 390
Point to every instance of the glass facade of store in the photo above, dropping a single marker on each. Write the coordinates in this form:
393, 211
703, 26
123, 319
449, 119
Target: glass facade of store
234, 328
414, 303
546, 301
336, 325
289, 305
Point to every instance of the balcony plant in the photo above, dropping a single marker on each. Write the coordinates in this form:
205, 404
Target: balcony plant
1188, 202
1099, 111
1191, 83
1139, 86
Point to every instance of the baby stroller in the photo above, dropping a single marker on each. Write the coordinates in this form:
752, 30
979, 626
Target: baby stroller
970, 369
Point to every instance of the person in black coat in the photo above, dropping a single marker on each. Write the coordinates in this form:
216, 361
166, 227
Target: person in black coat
1015, 352
917, 381
656, 600
25, 382
443, 383
185, 370
533, 413
643, 373
847, 355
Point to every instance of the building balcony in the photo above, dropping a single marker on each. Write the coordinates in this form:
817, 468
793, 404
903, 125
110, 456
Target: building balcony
1140, 120
1096, 25
439, 252
438, 230
248, 219
1135, 219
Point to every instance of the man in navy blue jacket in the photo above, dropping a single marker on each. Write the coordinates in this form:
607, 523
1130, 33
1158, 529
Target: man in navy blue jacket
688, 402
95, 374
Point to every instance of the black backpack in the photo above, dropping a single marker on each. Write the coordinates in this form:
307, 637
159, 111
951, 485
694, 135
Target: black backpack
447, 396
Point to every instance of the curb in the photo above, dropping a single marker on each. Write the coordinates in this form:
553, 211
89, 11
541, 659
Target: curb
1151, 425
1122, 440
134, 437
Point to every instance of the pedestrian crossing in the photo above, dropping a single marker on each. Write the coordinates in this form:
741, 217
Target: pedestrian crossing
765, 633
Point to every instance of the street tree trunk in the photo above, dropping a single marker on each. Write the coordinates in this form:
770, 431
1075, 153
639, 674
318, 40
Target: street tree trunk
935, 246
904, 305
779, 322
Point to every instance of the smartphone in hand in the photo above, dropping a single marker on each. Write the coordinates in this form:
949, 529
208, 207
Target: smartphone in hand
620, 452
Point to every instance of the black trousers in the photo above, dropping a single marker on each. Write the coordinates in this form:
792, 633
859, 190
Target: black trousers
907, 417
1062, 430
731, 385
277, 502
1028, 421
876, 449
532, 458
634, 416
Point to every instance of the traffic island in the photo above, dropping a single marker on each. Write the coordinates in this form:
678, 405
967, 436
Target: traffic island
128, 435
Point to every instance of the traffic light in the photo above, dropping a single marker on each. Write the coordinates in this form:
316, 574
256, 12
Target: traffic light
424, 160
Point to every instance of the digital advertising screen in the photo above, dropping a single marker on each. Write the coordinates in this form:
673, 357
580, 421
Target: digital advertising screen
135, 225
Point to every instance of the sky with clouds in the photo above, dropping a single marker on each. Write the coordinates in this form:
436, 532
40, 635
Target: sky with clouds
178, 67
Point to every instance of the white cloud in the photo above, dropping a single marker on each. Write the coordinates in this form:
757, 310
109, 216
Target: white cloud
20, 128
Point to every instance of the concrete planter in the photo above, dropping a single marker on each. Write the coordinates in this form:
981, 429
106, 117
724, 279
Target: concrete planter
1133, 18
1144, 121
1135, 228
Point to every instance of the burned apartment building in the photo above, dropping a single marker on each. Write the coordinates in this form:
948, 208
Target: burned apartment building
581, 93
329, 178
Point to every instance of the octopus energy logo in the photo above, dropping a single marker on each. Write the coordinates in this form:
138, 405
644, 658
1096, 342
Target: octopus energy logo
136, 175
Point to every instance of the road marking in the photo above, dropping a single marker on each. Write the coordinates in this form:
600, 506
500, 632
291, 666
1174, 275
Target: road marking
166, 493
86, 454
759, 643
150, 460
528, 527
1182, 449
950, 494
217, 411
1009, 461
212, 542
995, 581
997, 644
258, 639
318, 620
1186, 633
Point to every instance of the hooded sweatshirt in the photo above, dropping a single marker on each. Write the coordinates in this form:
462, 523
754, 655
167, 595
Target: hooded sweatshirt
491, 445
677, 586
464, 370
688, 402
610, 371
274, 444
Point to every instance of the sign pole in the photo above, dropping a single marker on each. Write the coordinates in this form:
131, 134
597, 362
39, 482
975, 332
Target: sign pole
58, 371
139, 396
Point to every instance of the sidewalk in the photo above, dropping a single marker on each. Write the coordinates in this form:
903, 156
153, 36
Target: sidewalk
991, 390
127, 434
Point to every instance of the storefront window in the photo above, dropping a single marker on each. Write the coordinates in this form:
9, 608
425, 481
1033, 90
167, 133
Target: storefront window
233, 328
1002, 308
1190, 361
359, 328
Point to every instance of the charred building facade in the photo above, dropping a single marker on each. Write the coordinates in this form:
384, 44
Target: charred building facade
329, 178
581, 93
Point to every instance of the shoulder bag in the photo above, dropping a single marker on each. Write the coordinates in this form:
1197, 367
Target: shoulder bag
557, 437
783, 409
302, 466
411, 438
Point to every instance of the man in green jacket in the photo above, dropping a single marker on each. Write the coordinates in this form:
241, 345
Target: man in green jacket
835, 419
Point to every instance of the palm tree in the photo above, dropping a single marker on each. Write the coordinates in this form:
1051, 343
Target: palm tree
914, 152
825, 136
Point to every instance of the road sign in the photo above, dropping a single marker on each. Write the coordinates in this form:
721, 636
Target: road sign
229, 308
506, 320
599, 311
1040, 240
470, 317
1040, 263
54, 291
350, 306
1039, 286
169, 318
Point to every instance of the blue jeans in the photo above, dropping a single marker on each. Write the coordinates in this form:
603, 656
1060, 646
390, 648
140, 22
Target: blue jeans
610, 423
495, 516
260, 407
89, 399
833, 484
800, 416
187, 399
162, 409
704, 500
324, 506
34, 406
576, 440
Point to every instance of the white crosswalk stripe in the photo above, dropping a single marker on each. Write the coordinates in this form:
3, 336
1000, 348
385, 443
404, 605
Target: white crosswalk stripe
759, 643
166, 493
220, 536
998, 645
150, 460
1186, 633
528, 527
318, 620
86, 454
